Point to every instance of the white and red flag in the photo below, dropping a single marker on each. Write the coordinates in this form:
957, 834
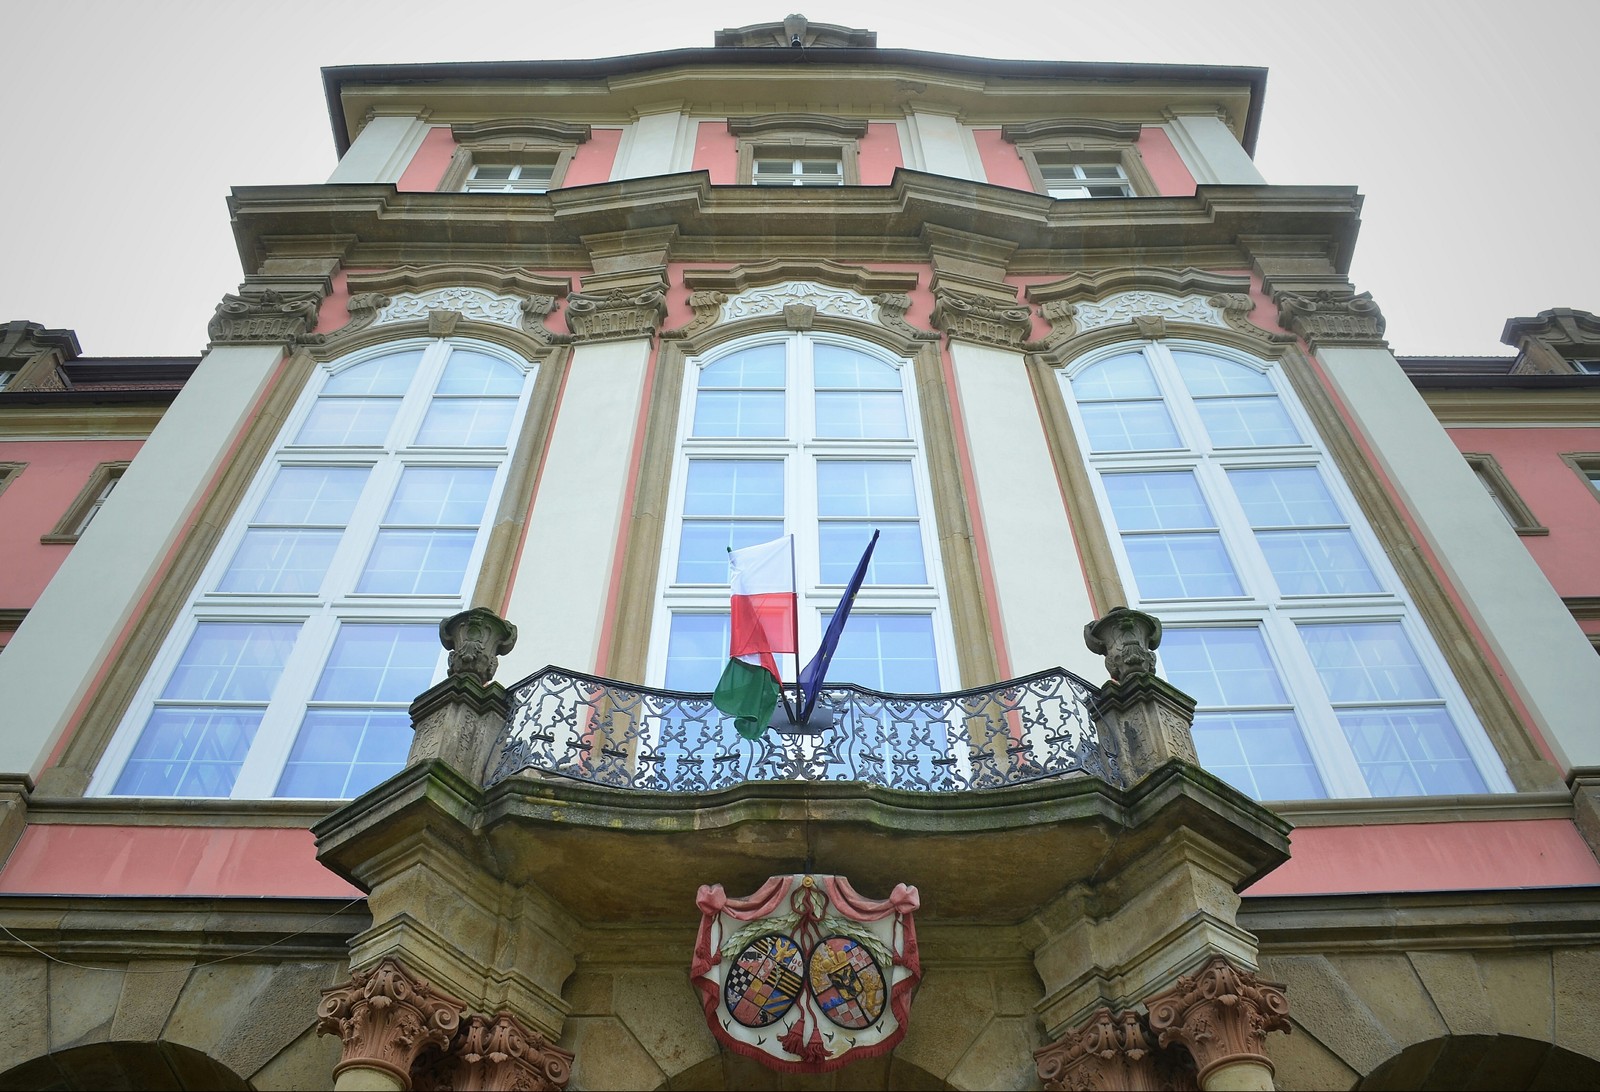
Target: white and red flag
764, 615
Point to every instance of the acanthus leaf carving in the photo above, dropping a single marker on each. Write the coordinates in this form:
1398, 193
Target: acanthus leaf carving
1331, 316
772, 299
265, 316
501, 1054
1113, 1052
616, 314
1221, 1015
989, 322
385, 1018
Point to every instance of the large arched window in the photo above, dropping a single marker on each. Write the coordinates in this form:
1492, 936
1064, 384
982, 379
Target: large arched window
315, 623
1284, 618
817, 436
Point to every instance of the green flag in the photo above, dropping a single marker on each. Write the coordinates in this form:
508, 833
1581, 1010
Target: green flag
749, 694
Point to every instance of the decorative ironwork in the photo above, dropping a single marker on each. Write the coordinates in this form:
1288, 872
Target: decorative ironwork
626, 736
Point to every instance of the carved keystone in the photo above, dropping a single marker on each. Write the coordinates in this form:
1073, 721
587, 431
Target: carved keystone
1127, 639
1222, 1016
386, 1018
458, 720
1113, 1052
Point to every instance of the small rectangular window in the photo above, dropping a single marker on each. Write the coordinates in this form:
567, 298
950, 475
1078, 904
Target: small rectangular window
510, 178
87, 504
1071, 181
1498, 486
814, 170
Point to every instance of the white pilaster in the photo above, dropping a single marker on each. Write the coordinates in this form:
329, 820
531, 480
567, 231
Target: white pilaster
382, 150
63, 643
1211, 151
563, 578
945, 146
1043, 597
650, 145
1546, 656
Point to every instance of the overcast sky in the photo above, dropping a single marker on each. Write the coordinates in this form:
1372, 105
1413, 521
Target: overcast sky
1470, 128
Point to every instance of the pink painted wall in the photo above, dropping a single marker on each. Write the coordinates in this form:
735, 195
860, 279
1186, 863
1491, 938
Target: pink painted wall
35, 501
1003, 166
716, 151
1483, 856
1531, 458
112, 860
427, 167
878, 154
594, 159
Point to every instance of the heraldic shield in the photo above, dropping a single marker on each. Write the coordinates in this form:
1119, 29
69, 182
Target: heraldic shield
806, 975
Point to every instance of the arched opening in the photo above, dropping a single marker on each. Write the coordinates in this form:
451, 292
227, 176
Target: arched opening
1484, 1062
114, 1067
729, 1070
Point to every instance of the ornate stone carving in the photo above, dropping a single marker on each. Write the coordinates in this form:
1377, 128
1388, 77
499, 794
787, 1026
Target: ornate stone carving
892, 308
617, 314
799, 316
1126, 307
990, 322
477, 638
1221, 1015
771, 300
500, 1054
1236, 308
442, 323
1127, 639
363, 308
386, 1018
1150, 327
1331, 315
475, 304
1113, 1052
707, 307
265, 316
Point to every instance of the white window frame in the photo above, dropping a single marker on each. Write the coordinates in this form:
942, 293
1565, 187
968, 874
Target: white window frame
800, 456
321, 614
1261, 605
796, 175
543, 183
1062, 188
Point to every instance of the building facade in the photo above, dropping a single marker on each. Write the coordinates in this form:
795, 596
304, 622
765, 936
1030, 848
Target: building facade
556, 335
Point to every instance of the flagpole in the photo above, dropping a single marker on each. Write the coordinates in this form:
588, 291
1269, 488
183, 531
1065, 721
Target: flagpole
799, 698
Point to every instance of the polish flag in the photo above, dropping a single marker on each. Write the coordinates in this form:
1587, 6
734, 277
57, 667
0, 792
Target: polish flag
763, 616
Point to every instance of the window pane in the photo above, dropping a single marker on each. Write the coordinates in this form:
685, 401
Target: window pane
386, 375
417, 563
379, 663
697, 651
848, 415
1410, 752
879, 488
759, 366
432, 496
1246, 422
739, 413
703, 547
491, 172
1160, 501
896, 560
835, 366
1124, 376
341, 753
1261, 754
232, 661
471, 372
1316, 562
1367, 662
337, 422
1207, 376
1287, 497
893, 653
730, 487
286, 562
467, 422
1129, 426
1181, 566
313, 495
1221, 667
189, 752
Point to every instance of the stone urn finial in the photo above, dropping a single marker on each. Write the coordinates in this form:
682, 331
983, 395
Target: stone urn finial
1127, 639
477, 638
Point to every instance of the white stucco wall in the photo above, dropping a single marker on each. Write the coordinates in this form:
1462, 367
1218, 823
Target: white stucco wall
381, 151
63, 643
558, 594
1043, 596
1548, 659
650, 146
944, 146
1211, 151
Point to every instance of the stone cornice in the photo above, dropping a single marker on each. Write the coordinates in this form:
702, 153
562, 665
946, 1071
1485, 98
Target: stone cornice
1395, 811
749, 223
824, 123
1064, 127
1568, 407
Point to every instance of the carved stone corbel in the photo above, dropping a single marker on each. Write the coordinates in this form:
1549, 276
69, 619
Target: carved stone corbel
1222, 1016
363, 308
1062, 317
1113, 1052
1332, 316
535, 309
265, 316
1236, 308
989, 322
892, 308
707, 307
615, 315
385, 1019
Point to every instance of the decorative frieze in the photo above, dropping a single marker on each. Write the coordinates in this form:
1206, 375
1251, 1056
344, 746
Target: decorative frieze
265, 316
989, 322
616, 314
386, 1018
1113, 1052
475, 304
825, 300
1332, 316
1222, 1016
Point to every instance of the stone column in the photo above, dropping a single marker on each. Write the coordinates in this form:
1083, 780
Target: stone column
385, 1018
458, 720
1222, 1016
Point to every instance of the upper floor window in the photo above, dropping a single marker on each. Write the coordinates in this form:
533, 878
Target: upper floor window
1079, 158
782, 171
315, 623
512, 155
798, 149
87, 504
816, 436
1493, 478
1067, 180
1284, 618
509, 178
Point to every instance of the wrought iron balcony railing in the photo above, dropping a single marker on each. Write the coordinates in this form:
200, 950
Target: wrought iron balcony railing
627, 736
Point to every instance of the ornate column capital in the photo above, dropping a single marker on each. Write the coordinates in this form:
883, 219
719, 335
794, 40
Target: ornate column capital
1332, 316
1113, 1052
501, 1054
1221, 1015
264, 315
615, 315
986, 321
386, 1018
